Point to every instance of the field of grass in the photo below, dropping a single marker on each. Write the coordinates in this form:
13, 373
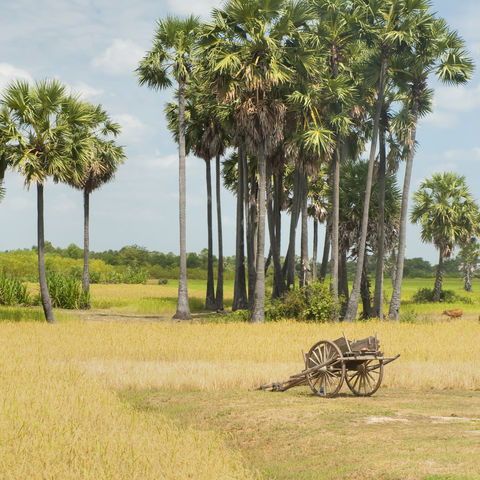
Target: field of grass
161, 299
174, 400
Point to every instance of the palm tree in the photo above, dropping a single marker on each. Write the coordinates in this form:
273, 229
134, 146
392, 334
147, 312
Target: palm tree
235, 181
247, 52
172, 56
441, 52
448, 215
353, 178
335, 30
104, 160
470, 256
205, 135
101, 169
40, 128
387, 25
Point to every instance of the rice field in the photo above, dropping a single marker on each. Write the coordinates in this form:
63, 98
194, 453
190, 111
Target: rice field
173, 400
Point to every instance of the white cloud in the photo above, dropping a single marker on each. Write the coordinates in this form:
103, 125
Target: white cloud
199, 7
133, 128
9, 72
450, 102
457, 99
86, 91
121, 57
441, 119
162, 163
82, 89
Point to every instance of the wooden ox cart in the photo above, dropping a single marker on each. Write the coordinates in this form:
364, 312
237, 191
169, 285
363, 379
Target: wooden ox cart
327, 364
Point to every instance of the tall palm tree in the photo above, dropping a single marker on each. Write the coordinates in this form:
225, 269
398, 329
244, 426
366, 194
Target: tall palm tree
448, 215
387, 25
353, 177
247, 52
334, 30
440, 52
40, 128
171, 56
206, 136
105, 157
101, 169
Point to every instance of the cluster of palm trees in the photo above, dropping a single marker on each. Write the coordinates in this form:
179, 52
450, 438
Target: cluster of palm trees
47, 132
298, 89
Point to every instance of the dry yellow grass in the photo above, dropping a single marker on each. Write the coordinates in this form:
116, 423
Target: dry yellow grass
60, 416
56, 422
239, 356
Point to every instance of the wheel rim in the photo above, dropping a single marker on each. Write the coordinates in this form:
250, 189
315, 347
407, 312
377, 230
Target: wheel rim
327, 381
365, 379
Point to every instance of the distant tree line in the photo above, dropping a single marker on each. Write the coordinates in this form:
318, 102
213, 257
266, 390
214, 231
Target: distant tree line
159, 265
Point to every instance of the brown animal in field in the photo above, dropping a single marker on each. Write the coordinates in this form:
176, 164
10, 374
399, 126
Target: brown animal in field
457, 312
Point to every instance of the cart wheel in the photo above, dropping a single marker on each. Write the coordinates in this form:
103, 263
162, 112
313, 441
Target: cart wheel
365, 378
327, 380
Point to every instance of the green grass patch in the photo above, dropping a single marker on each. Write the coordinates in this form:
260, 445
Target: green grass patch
24, 314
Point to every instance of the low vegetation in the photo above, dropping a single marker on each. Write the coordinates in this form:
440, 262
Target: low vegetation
172, 400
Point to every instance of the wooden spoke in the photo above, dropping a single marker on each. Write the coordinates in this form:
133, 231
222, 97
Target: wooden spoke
365, 378
327, 380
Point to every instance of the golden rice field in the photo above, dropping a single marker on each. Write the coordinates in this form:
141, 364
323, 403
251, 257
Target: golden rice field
105, 400
61, 417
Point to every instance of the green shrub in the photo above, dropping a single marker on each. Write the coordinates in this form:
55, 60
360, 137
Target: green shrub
162, 281
95, 277
13, 292
425, 295
312, 304
65, 290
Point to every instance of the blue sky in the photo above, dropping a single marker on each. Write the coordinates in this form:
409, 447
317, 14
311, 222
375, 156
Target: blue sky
94, 45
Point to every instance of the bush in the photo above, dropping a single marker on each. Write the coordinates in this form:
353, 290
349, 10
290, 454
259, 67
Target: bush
312, 304
95, 277
162, 281
13, 292
425, 295
65, 291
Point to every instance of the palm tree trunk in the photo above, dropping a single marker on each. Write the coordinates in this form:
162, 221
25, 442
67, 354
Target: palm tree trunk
210, 303
240, 289
42, 275
258, 305
86, 249
279, 284
305, 275
326, 251
352, 306
437, 290
468, 277
183, 308
274, 232
395, 301
315, 250
343, 275
252, 236
335, 222
378, 294
219, 296
393, 261
289, 264
365, 291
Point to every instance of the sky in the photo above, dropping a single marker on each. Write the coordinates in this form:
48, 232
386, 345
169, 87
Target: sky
94, 46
